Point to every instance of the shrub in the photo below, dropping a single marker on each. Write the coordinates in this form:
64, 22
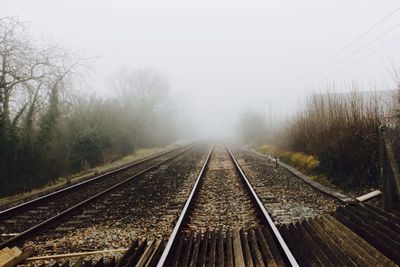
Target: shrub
341, 130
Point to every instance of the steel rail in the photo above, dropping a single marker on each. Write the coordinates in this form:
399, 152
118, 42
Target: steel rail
180, 223
49, 196
287, 253
74, 208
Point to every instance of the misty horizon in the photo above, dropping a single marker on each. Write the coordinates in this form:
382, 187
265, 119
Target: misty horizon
233, 56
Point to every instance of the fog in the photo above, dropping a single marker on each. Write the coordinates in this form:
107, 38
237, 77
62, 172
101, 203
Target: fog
224, 57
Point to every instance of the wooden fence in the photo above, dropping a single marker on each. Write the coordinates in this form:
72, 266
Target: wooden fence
389, 165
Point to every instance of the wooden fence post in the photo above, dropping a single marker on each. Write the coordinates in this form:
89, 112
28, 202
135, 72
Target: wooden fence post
385, 172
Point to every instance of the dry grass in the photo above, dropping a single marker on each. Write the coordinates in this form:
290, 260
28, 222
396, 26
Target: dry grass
341, 130
301, 161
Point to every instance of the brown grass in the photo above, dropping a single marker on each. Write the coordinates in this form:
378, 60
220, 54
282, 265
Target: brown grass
301, 161
341, 130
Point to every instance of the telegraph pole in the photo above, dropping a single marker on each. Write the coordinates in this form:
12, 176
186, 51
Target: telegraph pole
270, 112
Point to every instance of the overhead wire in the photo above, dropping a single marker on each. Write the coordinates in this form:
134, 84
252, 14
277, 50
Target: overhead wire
354, 53
368, 55
357, 38
351, 43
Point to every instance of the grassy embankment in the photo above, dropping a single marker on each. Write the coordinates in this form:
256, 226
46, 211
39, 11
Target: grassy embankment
64, 181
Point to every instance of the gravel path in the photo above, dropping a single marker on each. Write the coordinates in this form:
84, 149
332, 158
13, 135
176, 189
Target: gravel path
285, 196
222, 201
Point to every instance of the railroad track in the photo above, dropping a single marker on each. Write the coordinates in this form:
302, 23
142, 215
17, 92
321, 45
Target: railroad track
143, 208
25, 220
224, 222
260, 243
327, 240
286, 197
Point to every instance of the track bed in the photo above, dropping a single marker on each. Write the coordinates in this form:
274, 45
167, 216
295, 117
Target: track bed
144, 207
286, 197
222, 201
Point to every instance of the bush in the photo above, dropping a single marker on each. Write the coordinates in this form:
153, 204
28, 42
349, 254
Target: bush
88, 148
341, 130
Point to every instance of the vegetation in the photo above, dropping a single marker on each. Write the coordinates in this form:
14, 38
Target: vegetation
48, 129
336, 134
60, 182
301, 161
251, 128
341, 130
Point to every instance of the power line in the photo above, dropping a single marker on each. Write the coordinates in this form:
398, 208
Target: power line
369, 54
354, 53
357, 38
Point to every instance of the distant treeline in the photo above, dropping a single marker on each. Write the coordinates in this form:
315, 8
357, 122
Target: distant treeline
340, 129
49, 129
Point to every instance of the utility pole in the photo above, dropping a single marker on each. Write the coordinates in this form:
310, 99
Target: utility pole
270, 112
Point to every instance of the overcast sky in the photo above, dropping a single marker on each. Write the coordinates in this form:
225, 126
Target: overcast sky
225, 56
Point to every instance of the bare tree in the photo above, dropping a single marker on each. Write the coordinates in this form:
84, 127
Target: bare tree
45, 132
32, 75
136, 86
144, 94
28, 71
